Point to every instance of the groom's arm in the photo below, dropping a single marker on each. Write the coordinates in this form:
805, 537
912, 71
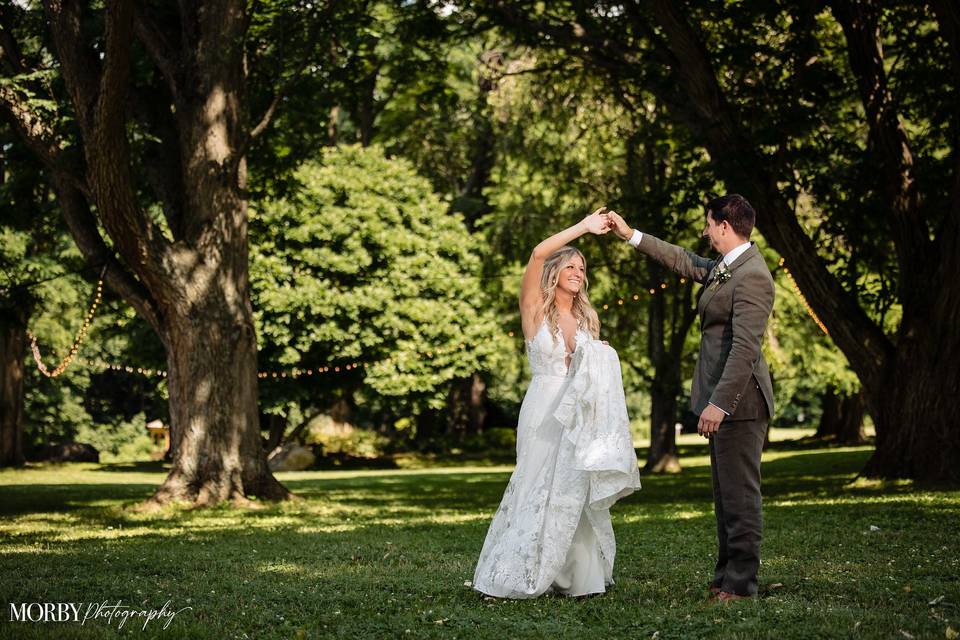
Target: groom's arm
686, 263
678, 259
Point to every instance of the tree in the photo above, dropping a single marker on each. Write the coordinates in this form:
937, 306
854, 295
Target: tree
783, 96
363, 279
13, 346
162, 87
28, 243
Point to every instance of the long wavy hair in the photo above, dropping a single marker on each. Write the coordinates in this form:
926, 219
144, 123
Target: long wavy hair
583, 311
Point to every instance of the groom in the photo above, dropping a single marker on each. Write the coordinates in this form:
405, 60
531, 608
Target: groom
731, 390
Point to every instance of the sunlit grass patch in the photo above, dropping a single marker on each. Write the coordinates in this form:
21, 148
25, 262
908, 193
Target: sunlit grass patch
373, 553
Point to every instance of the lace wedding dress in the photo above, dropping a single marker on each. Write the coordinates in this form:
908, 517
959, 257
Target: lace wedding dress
575, 458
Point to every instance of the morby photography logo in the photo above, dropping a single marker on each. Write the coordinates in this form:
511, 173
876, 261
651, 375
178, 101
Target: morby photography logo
83, 612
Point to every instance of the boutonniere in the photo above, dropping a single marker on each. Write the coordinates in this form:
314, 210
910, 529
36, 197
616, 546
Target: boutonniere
722, 275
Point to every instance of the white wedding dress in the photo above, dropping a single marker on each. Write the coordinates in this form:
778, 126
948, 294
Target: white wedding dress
575, 458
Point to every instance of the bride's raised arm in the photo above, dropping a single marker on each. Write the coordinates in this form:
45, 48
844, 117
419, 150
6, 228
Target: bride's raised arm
530, 296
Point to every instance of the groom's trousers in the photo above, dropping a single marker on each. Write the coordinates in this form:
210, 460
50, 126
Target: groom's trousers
735, 466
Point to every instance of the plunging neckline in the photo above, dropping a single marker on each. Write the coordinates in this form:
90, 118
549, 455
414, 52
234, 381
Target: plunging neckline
567, 355
563, 339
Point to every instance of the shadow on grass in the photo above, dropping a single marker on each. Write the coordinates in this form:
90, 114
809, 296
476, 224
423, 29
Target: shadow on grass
805, 474
268, 558
371, 555
140, 466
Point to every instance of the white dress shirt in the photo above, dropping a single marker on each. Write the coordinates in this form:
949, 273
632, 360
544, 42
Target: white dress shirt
735, 253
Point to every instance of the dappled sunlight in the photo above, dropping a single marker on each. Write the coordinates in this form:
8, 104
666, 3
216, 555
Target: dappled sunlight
395, 543
285, 568
662, 514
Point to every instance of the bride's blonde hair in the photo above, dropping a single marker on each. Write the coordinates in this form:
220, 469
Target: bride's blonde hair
583, 311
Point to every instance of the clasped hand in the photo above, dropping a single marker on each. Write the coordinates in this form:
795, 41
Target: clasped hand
603, 220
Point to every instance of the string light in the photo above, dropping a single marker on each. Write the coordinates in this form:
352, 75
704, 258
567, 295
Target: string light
803, 299
292, 373
297, 373
60, 368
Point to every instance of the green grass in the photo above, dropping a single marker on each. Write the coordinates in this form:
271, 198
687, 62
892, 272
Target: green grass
385, 554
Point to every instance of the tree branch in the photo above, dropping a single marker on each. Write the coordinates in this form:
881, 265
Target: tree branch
163, 55
162, 162
948, 20
107, 151
282, 88
72, 191
860, 23
79, 66
39, 137
83, 228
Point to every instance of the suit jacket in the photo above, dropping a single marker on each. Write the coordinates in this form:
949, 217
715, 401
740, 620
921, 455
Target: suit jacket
733, 317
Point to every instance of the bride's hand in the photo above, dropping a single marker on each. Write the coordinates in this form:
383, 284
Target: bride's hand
596, 222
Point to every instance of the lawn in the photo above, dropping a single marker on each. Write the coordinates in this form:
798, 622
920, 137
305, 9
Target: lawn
386, 554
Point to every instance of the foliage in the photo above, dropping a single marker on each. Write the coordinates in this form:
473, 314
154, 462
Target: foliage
363, 265
124, 440
371, 554
803, 360
344, 439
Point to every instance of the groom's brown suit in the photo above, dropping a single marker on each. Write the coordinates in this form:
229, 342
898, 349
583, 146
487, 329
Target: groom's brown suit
732, 375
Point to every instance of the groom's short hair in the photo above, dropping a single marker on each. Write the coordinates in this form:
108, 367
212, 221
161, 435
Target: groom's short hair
735, 209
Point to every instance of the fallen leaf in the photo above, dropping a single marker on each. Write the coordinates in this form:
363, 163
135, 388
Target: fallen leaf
776, 585
952, 634
935, 601
906, 634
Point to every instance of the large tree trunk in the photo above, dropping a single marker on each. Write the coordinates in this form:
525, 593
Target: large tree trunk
842, 417
665, 349
209, 328
663, 457
908, 381
918, 430
13, 346
189, 281
217, 451
466, 407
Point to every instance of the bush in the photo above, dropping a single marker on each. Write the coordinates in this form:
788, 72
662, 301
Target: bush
342, 439
125, 440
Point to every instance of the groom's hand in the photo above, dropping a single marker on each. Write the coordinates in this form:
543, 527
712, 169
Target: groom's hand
618, 225
710, 420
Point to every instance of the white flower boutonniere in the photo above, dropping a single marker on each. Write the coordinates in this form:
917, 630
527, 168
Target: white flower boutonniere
721, 276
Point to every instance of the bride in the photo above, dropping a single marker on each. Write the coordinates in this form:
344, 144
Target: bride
575, 455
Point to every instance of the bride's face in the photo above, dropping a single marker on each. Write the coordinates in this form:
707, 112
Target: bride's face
572, 276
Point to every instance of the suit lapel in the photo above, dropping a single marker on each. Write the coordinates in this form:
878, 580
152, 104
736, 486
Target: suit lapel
743, 257
710, 291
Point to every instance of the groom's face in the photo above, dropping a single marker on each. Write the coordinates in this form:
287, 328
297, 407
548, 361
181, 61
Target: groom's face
712, 231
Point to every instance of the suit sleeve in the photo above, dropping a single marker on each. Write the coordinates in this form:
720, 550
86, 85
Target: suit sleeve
752, 303
678, 259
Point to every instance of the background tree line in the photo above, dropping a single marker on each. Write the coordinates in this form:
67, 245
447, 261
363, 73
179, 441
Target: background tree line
352, 182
